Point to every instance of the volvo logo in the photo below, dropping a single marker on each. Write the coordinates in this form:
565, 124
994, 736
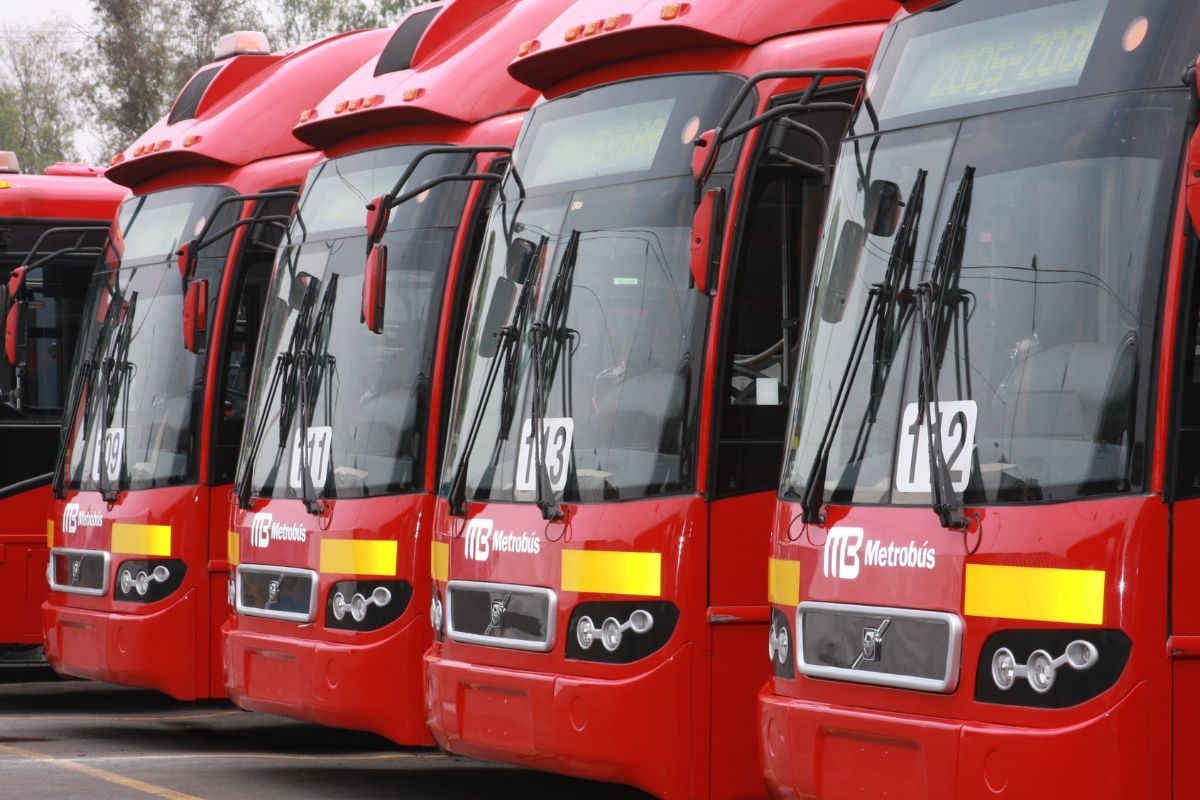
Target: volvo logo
272, 593
872, 643
841, 553
496, 616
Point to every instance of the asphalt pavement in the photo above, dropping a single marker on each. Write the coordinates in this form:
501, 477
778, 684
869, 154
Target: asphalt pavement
81, 740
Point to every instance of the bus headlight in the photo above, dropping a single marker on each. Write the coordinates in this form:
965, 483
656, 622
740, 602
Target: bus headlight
366, 605
437, 613
1050, 668
779, 646
629, 631
148, 580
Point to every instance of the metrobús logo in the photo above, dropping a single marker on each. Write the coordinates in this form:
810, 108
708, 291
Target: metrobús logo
74, 517
480, 540
263, 529
845, 554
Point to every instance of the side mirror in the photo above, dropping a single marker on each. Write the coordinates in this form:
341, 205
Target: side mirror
14, 333
843, 270
882, 207
707, 225
16, 280
700, 155
503, 297
195, 315
186, 259
378, 215
374, 288
519, 259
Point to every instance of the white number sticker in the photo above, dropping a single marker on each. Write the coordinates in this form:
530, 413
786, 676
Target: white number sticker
113, 450
557, 433
957, 426
317, 453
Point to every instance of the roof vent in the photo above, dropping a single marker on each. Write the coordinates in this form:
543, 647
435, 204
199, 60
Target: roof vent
189, 99
71, 168
400, 48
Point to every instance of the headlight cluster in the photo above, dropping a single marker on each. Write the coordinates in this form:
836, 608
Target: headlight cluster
437, 613
779, 646
366, 605
1049, 668
148, 580
619, 632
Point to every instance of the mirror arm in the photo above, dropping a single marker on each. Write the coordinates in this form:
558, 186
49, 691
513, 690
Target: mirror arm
393, 202
241, 198
398, 186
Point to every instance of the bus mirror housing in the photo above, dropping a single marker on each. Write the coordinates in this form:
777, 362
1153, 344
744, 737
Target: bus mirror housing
841, 273
519, 259
701, 168
186, 259
504, 294
882, 207
374, 288
14, 332
195, 315
379, 212
15, 281
707, 224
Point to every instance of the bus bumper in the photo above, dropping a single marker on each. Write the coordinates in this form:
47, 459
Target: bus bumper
151, 651
370, 687
811, 750
635, 731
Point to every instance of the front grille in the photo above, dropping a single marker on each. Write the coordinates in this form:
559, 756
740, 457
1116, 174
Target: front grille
277, 592
79, 571
501, 615
901, 647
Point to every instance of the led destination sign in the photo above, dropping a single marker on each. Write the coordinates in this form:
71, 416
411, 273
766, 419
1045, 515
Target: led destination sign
1028, 51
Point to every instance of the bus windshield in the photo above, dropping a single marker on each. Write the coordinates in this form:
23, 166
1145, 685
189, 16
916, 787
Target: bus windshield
582, 316
1034, 273
135, 387
360, 398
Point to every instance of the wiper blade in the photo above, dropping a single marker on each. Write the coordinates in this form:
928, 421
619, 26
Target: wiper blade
116, 368
552, 327
883, 313
938, 297
308, 375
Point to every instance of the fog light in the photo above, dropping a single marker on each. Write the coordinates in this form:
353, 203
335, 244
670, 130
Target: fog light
339, 606
772, 643
142, 583
782, 645
381, 596
126, 581
640, 621
1082, 654
358, 607
1040, 671
231, 592
160, 574
585, 632
1004, 668
610, 634
435, 611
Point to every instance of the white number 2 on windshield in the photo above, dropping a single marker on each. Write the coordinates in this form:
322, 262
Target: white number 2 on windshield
958, 445
557, 433
319, 439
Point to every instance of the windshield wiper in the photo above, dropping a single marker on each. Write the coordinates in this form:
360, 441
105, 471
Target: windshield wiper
506, 354
308, 375
552, 327
116, 367
282, 373
882, 310
936, 298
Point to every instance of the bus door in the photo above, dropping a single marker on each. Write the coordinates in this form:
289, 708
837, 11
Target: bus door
772, 262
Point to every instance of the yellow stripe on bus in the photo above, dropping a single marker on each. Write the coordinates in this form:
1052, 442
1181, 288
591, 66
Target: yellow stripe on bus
49, 533
783, 581
233, 546
141, 540
358, 557
1035, 593
609, 572
439, 561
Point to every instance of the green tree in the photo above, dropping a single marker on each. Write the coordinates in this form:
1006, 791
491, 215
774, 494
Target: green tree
300, 21
37, 110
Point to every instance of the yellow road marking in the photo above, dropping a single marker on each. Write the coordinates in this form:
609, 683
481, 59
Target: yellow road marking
439, 558
100, 774
358, 557
1035, 593
141, 540
783, 581
612, 572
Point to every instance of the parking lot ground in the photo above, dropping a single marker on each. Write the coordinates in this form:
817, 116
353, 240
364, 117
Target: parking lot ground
80, 740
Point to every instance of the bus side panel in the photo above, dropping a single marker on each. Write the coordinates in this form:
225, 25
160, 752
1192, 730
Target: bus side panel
23, 555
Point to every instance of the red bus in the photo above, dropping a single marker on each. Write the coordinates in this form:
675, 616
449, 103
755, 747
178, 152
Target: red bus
600, 542
138, 569
357, 355
53, 225
984, 559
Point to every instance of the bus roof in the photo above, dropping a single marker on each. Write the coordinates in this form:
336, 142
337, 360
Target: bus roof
592, 33
58, 197
430, 70
241, 109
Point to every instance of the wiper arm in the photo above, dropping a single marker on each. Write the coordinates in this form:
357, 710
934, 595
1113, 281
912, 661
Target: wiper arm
881, 312
552, 326
116, 367
307, 377
937, 298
